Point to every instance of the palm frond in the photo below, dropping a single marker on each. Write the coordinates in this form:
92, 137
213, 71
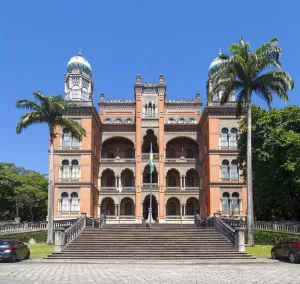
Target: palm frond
73, 126
28, 119
28, 104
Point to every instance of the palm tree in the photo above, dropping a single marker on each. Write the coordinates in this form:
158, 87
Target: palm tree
244, 73
49, 110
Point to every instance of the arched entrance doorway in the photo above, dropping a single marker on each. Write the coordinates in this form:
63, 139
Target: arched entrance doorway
146, 205
107, 206
173, 207
127, 207
192, 206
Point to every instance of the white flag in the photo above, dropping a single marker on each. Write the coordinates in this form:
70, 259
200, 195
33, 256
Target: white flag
120, 187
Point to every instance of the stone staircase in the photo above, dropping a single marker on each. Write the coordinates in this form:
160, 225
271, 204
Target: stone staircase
162, 241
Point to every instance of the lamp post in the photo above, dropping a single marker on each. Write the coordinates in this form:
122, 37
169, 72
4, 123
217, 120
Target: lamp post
180, 202
119, 189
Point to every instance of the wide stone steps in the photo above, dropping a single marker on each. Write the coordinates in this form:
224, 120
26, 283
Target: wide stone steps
135, 241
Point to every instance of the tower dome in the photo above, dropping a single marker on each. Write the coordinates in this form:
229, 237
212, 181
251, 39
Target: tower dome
214, 66
78, 64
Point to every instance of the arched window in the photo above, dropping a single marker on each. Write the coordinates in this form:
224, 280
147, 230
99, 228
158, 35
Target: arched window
190, 209
65, 202
192, 120
65, 170
225, 202
118, 121
171, 120
66, 138
110, 154
128, 153
235, 203
110, 181
225, 169
85, 94
128, 181
190, 181
154, 107
234, 172
75, 170
224, 137
76, 93
171, 153
107, 120
110, 210
233, 137
181, 120
172, 181
189, 153
74, 202
129, 120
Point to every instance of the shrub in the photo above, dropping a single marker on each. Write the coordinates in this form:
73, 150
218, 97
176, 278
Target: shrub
38, 236
264, 237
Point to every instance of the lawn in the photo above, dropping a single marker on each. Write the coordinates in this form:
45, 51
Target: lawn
259, 250
40, 250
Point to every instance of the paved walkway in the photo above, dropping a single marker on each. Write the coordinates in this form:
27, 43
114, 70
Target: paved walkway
52, 273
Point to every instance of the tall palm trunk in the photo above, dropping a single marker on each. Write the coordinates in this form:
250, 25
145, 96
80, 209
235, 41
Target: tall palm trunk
250, 220
51, 195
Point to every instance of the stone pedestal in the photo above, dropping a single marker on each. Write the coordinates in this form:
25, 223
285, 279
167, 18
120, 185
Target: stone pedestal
148, 220
60, 239
239, 239
18, 220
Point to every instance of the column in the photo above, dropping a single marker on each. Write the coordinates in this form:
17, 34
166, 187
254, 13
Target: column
184, 177
183, 209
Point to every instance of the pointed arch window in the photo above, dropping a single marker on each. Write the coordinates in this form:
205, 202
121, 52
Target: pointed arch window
110, 181
224, 137
74, 202
225, 202
128, 153
234, 172
172, 181
128, 181
190, 181
225, 169
233, 137
65, 202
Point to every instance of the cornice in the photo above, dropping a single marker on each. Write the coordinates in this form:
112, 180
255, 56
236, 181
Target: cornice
80, 110
218, 110
107, 128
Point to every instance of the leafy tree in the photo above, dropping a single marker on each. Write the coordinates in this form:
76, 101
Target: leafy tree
48, 110
22, 189
246, 73
276, 162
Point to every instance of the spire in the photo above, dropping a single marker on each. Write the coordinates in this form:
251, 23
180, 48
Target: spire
79, 53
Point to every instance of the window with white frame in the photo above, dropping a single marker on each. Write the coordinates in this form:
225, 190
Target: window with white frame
235, 203
233, 137
85, 94
65, 173
224, 137
65, 202
225, 169
66, 138
75, 170
75, 141
225, 202
74, 202
234, 172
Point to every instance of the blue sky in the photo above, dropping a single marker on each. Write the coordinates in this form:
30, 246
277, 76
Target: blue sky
119, 38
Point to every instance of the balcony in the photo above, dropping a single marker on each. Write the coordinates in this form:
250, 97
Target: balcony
228, 180
146, 186
186, 189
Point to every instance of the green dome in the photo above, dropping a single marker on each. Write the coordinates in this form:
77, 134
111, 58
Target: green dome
79, 63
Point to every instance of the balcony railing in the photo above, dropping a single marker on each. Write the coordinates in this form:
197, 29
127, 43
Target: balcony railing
115, 189
147, 185
230, 180
182, 160
145, 156
172, 188
117, 160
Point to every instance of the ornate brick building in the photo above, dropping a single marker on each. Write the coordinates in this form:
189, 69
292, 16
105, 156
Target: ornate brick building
194, 153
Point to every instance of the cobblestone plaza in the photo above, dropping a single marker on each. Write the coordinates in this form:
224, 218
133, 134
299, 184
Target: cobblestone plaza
132, 272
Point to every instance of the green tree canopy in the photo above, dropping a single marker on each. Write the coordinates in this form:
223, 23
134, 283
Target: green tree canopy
276, 162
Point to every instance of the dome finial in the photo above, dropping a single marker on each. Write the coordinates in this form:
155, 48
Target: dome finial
79, 53
220, 52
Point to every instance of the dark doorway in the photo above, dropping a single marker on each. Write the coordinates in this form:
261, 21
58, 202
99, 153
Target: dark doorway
146, 205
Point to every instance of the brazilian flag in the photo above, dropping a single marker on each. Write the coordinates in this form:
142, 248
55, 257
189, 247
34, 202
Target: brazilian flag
151, 164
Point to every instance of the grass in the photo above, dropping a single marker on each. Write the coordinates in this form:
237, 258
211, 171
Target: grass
260, 250
40, 250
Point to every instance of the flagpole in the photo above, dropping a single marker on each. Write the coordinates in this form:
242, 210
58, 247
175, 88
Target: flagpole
150, 209
119, 205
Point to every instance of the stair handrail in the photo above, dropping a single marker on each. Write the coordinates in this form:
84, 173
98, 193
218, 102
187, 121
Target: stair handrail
227, 231
73, 231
